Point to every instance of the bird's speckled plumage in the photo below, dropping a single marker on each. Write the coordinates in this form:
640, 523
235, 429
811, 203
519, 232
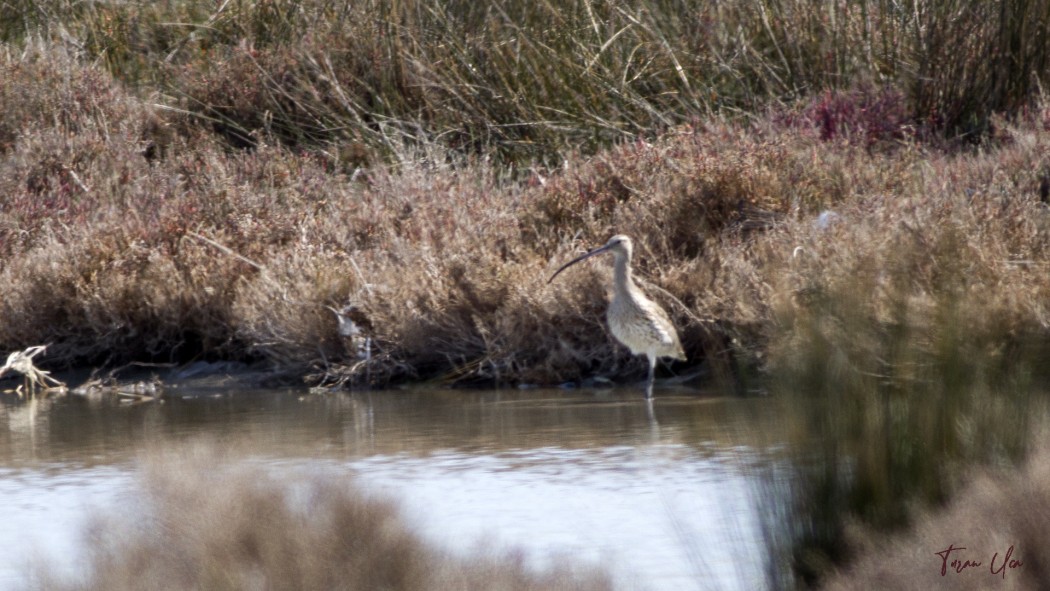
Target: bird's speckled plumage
635, 320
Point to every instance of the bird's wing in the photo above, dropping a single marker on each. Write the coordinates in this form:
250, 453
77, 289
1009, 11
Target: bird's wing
663, 329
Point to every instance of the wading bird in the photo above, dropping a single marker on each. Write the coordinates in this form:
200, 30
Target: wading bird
635, 320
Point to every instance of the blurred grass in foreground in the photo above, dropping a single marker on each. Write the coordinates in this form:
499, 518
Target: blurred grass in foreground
209, 519
892, 409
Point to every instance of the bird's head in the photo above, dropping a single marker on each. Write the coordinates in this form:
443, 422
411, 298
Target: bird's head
620, 245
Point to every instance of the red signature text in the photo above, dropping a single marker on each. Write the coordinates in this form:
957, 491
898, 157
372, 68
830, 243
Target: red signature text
953, 559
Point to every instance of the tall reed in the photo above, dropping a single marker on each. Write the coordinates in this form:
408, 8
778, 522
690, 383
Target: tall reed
532, 80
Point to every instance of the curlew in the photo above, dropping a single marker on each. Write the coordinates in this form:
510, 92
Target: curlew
635, 320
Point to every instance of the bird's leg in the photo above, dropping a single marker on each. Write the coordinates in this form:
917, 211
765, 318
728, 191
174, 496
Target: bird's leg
652, 376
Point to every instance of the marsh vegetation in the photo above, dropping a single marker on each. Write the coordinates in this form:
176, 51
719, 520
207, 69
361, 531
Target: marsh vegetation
185, 180
848, 196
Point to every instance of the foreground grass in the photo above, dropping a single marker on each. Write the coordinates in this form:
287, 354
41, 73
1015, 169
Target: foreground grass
210, 521
889, 419
993, 514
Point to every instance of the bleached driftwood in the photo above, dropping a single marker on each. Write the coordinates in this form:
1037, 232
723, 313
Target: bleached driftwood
34, 378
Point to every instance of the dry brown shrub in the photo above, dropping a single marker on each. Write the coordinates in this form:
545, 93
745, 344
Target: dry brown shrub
72, 147
47, 85
678, 192
199, 250
102, 303
466, 302
281, 311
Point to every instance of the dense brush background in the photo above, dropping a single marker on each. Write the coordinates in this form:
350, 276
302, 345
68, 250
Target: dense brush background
189, 179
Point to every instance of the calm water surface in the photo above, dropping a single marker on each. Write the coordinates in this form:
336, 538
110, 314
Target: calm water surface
663, 496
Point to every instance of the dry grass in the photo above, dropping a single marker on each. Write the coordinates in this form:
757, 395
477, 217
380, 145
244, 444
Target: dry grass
210, 521
526, 80
114, 252
130, 229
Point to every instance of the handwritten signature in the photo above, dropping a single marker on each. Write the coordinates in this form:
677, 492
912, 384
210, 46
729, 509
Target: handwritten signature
959, 563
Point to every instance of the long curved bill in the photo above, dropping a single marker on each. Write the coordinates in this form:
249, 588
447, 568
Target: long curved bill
583, 256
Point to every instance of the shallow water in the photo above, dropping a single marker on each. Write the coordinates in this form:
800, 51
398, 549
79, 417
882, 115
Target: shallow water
661, 495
